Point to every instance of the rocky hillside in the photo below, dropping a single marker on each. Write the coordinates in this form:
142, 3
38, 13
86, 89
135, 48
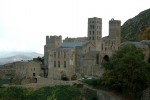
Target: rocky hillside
134, 27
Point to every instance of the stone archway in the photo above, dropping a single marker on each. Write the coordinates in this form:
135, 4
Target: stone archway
64, 76
106, 58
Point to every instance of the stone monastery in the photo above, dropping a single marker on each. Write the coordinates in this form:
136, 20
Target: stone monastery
83, 55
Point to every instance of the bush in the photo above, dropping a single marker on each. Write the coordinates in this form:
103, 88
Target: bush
127, 72
45, 93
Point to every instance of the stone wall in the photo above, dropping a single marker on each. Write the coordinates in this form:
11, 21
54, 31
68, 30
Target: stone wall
22, 69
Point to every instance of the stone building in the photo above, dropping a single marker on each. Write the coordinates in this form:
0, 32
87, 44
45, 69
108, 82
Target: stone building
23, 69
83, 55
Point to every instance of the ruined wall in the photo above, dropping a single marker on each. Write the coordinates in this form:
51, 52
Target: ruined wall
21, 69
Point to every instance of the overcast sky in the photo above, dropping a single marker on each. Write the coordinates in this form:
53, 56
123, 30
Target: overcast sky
24, 24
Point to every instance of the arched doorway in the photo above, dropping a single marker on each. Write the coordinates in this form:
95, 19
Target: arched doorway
106, 58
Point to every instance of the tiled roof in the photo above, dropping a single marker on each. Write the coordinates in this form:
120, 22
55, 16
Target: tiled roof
72, 44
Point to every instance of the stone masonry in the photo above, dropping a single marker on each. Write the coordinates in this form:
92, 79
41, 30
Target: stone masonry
84, 55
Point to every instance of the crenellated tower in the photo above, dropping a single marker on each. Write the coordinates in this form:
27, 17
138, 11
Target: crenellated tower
52, 42
115, 30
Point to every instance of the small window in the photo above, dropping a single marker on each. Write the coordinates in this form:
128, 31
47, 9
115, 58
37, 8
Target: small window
58, 63
58, 54
54, 54
64, 54
93, 38
54, 63
93, 32
64, 64
97, 59
34, 74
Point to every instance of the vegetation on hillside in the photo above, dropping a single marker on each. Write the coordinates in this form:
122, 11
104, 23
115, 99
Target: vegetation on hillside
127, 72
134, 27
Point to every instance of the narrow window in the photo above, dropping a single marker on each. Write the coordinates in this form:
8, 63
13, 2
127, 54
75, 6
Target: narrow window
58, 54
34, 74
93, 32
93, 38
64, 54
54, 63
54, 54
58, 63
64, 64
97, 59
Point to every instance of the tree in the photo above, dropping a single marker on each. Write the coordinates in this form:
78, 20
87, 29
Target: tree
127, 72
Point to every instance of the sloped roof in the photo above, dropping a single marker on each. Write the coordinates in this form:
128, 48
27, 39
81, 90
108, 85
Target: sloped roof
72, 44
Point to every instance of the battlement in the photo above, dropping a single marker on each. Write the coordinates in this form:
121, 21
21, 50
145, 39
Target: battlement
95, 20
78, 39
114, 22
115, 29
53, 39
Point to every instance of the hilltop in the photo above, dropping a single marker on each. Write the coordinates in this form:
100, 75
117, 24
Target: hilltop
136, 28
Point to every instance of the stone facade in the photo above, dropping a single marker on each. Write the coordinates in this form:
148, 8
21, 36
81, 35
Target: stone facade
21, 69
83, 55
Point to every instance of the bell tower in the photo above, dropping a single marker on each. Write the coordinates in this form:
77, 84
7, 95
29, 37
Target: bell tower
95, 31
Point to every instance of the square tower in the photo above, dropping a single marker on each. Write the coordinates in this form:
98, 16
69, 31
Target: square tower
115, 29
94, 29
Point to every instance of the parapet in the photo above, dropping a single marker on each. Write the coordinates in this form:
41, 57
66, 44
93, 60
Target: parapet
78, 39
114, 22
53, 38
95, 20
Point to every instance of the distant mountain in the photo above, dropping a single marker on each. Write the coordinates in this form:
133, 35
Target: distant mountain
19, 57
134, 27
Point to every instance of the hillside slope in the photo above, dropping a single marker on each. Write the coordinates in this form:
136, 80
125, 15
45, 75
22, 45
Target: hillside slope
135, 26
20, 57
